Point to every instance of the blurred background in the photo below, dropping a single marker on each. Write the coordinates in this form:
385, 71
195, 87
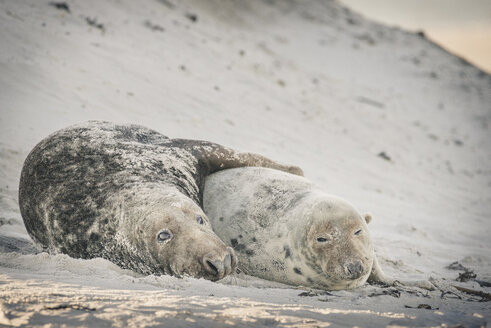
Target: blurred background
461, 26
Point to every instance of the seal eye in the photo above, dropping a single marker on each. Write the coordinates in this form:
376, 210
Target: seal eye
164, 236
200, 219
322, 240
357, 232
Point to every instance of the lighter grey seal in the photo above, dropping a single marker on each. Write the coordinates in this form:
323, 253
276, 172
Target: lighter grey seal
285, 229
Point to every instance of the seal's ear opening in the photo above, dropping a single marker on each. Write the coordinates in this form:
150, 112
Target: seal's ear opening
367, 218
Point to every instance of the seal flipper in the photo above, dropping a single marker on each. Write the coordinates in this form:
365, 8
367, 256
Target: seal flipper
213, 157
378, 277
235, 160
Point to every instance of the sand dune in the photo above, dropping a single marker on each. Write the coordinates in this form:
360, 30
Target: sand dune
376, 115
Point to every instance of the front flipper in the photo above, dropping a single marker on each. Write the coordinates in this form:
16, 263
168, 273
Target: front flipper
251, 159
378, 277
213, 157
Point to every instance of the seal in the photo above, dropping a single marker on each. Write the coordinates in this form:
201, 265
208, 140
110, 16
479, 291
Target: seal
283, 228
130, 195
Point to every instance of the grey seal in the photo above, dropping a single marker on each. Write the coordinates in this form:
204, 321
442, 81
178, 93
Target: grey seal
128, 194
283, 228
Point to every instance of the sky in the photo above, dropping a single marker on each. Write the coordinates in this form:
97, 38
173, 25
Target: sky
461, 26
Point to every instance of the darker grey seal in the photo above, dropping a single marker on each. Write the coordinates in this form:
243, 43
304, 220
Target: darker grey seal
128, 194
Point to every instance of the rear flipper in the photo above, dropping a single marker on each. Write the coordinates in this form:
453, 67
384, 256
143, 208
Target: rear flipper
378, 277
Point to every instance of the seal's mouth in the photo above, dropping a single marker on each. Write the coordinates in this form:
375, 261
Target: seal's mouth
343, 282
347, 274
208, 267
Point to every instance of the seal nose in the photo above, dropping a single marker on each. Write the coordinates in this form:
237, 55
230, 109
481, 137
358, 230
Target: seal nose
219, 268
354, 270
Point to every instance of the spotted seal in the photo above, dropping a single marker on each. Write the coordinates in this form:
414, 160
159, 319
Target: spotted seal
283, 228
128, 194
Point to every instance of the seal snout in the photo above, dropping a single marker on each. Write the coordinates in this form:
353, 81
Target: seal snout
218, 267
354, 270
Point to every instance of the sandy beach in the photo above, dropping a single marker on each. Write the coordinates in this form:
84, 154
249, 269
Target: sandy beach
379, 116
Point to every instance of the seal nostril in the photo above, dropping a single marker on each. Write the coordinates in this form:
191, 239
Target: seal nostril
213, 268
227, 264
233, 258
359, 266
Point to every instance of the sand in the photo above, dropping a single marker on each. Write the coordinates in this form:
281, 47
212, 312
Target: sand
376, 115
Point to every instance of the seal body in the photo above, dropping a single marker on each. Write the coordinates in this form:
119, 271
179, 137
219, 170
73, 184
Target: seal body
285, 229
128, 194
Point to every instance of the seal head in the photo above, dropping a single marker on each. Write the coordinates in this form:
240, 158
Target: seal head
333, 245
178, 240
